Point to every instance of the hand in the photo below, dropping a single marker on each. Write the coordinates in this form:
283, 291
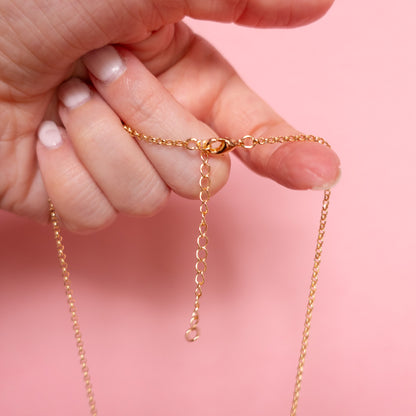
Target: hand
90, 182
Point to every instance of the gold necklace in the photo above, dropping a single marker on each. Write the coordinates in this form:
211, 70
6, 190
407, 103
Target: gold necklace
213, 146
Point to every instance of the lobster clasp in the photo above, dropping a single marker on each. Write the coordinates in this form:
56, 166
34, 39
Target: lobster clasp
218, 145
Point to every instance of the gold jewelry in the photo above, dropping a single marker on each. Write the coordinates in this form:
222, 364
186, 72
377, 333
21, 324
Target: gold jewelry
213, 146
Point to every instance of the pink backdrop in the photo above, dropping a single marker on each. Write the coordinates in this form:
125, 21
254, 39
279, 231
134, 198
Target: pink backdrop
349, 78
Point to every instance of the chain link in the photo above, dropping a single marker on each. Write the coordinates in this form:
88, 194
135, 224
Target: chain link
214, 146
311, 301
72, 308
192, 333
219, 145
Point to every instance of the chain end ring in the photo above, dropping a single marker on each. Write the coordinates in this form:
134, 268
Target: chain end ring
192, 334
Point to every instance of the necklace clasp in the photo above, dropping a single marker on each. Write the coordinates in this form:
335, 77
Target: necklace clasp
218, 145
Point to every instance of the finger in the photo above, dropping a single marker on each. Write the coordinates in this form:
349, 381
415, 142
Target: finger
112, 158
139, 99
260, 13
78, 200
167, 45
226, 104
66, 33
304, 165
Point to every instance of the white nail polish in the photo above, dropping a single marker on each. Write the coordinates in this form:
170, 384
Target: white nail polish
74, 93
328, 185
49, 135
105, 64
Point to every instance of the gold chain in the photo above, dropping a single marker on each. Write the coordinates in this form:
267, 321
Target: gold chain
311, 301
219, 145
72, 307
213, 146
192, 333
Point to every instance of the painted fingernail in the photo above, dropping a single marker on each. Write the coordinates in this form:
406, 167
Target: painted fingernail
74, 93
327, 185
105, 64
49, 135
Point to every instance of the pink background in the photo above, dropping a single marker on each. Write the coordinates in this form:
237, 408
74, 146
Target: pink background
350, 78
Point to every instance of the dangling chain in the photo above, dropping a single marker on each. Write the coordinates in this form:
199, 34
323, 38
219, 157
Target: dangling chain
311, 300
213, 146
72, 307
192, 333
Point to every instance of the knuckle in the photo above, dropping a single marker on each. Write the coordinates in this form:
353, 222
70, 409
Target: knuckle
146, 105
85, 213
146, 204
90, 224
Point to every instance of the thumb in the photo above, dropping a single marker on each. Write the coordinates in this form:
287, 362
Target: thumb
69, 29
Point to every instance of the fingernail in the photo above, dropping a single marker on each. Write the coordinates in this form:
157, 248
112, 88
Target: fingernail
105, 64
328, 185
74, 93
49, 135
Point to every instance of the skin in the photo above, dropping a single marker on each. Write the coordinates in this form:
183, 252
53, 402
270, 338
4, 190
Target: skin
175, 86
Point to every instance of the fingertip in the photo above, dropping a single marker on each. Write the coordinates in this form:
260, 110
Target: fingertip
105, 64
304, 166
310, 10
50, 135
74, 93
328, 185
89, 224
268, 13
221, 167
219, 173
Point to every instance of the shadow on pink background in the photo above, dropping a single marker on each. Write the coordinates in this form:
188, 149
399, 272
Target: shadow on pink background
348, 78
